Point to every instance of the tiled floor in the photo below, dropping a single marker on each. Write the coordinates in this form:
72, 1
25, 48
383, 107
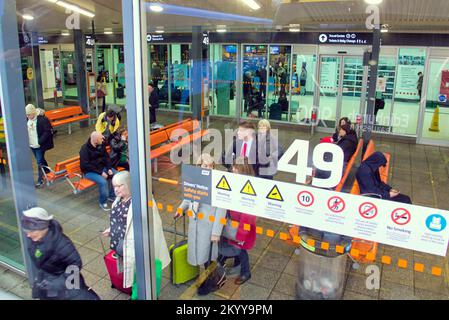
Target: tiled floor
420, 171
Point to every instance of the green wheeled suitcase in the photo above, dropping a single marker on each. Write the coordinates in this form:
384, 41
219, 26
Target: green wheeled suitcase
181, 270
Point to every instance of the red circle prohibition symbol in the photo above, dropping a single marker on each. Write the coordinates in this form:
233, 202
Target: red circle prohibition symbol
405, 214
337, 201
363, 211
307, 193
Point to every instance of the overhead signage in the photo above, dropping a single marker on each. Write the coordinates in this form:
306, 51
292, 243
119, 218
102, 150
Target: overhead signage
155, 38
345, 38
407, 226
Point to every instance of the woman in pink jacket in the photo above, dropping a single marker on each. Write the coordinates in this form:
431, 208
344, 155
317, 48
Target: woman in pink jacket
245, 240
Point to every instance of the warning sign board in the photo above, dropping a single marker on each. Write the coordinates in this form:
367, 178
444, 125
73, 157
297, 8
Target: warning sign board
306, 199
368, 210
336, 204
275, 194
248, 189
401, 216
224, 184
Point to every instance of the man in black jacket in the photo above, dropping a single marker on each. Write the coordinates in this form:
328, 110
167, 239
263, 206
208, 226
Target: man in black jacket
368, 178
244, 144
40, 134
96, 166
154, 101
58, 263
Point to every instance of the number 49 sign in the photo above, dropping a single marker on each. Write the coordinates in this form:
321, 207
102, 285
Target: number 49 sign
301, 169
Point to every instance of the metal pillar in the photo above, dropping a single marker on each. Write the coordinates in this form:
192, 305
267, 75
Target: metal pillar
136, 64
374, 64
197, 72
13, 105
81, 82
37, 71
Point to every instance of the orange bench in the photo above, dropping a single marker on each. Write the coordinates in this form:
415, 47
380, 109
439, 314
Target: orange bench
68, 115
76, 179
349, 167
367, 250
58, 172
164, 140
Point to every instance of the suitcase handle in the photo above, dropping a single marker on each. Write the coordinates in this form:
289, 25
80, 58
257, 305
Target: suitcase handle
102, 243
184, 227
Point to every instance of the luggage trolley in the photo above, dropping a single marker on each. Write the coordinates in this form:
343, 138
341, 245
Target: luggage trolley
322, 274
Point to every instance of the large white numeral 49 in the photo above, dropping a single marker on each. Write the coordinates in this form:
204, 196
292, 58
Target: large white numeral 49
300, 148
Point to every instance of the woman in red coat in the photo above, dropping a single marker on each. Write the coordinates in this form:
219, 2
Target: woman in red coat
245, 240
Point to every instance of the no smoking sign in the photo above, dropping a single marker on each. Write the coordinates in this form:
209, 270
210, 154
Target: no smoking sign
401, 216
368, 210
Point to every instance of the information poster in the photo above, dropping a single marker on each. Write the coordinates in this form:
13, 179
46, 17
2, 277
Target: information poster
444, 87
328, 77
411, 62
406, 226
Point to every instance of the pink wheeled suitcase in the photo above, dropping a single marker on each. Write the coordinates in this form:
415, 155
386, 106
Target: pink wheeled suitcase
112, 265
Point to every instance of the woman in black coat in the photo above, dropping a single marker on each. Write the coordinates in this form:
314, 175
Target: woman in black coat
56, 260
369, 181
347, 141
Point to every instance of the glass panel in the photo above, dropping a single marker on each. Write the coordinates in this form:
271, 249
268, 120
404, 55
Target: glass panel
225, 67
29, 80
254, 73
352, 87
119, 75
436, 114
279, 77
329, 89
158, 71
180, 64
384, 94
410, 75
69, 75
51, 74
10, 248
303, 87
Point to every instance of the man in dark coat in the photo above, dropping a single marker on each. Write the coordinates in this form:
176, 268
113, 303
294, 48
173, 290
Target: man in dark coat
40, 134
57, 262
154, 102
369, 181
244, 145
96, 166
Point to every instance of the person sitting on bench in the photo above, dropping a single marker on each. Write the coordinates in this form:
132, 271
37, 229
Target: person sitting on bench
107, 124
96, 166
368, 178
119, 149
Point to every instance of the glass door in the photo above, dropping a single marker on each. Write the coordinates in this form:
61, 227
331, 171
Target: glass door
330, 90
70, 89
118, 68
255, 78
353, 71
341, 86
436, 109
279, 74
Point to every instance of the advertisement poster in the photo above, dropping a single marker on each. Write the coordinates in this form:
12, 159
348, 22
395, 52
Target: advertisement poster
181, 75
444, 87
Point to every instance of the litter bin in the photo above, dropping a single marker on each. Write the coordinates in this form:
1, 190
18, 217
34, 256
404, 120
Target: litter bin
322, 274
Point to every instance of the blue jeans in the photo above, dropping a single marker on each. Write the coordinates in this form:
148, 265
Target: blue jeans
104, 185
242, 259
40, 161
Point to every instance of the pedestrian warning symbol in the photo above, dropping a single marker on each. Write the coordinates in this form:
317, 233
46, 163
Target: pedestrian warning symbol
248, 189
275, 194
223, 184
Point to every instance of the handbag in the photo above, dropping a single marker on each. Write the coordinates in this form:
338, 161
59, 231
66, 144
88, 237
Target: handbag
229, 232
216, 277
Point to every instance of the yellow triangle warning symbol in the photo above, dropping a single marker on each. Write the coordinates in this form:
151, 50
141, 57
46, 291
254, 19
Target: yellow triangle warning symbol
275, 194
223, 184
248, 189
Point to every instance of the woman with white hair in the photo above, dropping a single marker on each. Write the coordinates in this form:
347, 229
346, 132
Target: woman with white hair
121, 230
202, 232
269, 151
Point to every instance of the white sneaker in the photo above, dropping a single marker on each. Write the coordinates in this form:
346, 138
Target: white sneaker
104, 206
